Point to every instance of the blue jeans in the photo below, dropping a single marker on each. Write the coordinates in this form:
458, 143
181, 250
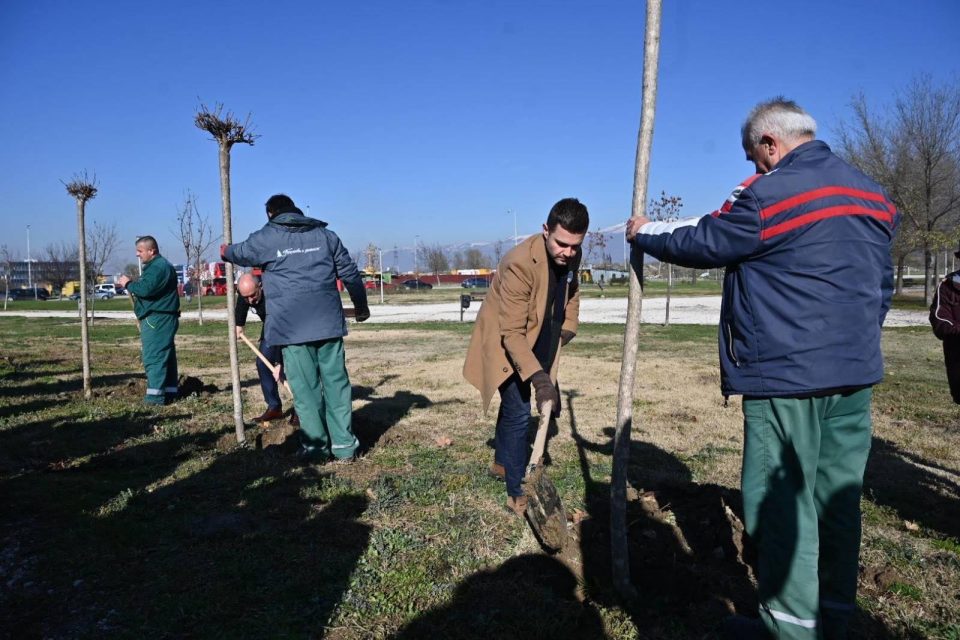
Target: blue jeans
271, 393
510, 440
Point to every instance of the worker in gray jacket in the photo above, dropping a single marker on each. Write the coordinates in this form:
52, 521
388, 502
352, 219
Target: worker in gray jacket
302, 261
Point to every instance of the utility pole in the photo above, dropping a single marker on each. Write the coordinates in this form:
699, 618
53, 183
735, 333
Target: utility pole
515, 240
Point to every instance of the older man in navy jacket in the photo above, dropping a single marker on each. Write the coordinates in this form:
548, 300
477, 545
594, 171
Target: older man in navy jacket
302, 260
806, 246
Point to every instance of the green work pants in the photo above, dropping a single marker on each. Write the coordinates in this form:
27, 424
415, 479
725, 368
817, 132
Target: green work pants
157, 334
317, 373
803, 464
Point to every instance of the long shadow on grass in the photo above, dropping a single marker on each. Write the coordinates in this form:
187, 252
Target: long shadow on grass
920, 490
686, 554
70, 385
247, 546
59, 440
530, 596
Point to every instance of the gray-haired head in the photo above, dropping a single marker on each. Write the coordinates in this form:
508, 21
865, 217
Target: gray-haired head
780, 118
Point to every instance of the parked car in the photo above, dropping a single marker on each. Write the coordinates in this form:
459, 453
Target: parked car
28, 294
91, 293
108, 287
475, 283
417, 284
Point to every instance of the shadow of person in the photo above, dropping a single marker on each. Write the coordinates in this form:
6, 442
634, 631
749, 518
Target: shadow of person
527, 597
247, 546
49, 442
920, 490
380, 414
685, 546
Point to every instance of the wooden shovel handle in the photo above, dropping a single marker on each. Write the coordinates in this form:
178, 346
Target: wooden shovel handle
541, 440
263, 358
133, 305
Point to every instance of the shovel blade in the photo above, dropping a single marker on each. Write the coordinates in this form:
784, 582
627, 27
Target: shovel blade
544, 510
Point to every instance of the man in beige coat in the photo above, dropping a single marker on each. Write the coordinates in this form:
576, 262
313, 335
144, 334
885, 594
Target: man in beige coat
532, 309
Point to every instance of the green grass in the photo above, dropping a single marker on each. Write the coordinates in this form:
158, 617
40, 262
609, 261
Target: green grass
119, 520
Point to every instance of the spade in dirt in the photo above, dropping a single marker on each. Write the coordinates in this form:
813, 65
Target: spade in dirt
544, 509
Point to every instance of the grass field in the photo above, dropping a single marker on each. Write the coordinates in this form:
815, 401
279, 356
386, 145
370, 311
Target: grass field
118, 520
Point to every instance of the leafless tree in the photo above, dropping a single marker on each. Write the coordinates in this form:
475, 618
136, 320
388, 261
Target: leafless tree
102, 243
62, 260
913, 151
196, 236
6, 268
437, 261
372, 257
83, 189
666, 208
620, 554
497, 251
227, 130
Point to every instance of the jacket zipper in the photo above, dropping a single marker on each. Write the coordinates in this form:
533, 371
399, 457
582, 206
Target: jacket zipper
733, 356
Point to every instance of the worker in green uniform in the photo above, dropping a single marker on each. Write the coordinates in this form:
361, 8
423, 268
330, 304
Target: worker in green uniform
157, 307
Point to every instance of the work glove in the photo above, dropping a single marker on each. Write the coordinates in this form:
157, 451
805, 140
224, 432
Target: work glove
361, 313
544, 390
566, 336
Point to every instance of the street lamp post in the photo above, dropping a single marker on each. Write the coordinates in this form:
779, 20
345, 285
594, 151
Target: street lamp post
515, 240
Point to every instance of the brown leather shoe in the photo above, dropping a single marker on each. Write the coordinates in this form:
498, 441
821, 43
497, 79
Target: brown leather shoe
268, 415
294, 418
497, 472
517, 504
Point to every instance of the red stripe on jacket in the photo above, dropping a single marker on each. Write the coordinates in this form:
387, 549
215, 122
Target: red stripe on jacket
822, 214
823, 192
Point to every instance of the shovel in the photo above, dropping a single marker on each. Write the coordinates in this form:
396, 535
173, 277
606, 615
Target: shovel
263, 358
544, 509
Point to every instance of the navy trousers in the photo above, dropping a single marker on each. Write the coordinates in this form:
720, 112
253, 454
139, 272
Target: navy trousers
510, 440
271, 392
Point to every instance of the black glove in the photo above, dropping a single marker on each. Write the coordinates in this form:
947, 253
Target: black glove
361, 313
566, 336
544, 390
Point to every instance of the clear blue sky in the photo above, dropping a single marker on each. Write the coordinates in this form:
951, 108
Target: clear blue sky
393, 120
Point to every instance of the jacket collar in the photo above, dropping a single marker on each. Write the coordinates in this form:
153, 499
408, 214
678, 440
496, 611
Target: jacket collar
804, 149
292, 219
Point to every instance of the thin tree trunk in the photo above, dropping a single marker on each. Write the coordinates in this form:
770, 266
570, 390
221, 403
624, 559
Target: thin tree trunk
899, 285
620, 554
231, 295
200, 305
927, 276
84, 329
666, 319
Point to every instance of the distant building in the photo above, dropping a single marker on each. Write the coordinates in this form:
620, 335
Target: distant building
41, 273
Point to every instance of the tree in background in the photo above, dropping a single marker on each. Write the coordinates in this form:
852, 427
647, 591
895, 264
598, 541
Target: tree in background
596, 247
473, 258
226, 131
6, 270
61, 259
913, 151
497, 251
666, 209
436, 259
372, 256
102, 242
196, 237
83, 189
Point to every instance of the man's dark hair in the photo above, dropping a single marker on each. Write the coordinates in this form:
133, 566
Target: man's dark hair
150, 241
570, 214
281, 203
